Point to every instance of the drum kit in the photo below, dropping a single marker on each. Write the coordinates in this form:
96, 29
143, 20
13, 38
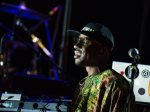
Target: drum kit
17, 55
18, 52
22, 10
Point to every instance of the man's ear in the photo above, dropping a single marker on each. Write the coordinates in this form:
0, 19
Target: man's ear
103, 50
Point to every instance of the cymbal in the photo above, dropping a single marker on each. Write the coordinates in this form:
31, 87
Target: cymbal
22, 11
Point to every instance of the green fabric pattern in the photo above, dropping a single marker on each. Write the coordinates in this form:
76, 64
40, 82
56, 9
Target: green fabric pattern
104, 92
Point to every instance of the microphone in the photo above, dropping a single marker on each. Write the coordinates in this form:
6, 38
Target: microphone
132, 71
134, 53
54, 10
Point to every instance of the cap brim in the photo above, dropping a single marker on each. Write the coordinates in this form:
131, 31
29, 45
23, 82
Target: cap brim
73, 33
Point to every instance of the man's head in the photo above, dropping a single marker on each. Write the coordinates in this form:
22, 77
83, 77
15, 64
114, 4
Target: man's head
92, 45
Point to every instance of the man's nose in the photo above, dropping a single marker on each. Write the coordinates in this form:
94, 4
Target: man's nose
75, 47
78, 45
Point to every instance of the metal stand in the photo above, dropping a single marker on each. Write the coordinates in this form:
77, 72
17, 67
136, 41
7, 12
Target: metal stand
37, 41
64, 43
132, 72
3, 59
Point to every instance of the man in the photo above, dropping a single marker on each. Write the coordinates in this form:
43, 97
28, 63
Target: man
103, 90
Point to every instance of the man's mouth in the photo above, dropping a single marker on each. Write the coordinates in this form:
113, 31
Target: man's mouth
77, 54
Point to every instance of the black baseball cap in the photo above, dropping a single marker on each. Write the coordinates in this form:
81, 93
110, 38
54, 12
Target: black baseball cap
95, 31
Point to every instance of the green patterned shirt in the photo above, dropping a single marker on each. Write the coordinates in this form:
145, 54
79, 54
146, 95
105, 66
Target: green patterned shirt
104, 92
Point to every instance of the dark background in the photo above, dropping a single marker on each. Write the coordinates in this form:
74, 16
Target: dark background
128, 20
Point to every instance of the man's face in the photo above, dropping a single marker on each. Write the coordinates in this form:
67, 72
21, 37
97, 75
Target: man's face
86, 51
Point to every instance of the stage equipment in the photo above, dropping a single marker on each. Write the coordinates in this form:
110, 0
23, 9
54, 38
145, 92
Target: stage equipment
19, 103
141, 85
35, 94
22, 11
37, 41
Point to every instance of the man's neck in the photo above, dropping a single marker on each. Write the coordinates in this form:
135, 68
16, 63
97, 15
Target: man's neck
92, 70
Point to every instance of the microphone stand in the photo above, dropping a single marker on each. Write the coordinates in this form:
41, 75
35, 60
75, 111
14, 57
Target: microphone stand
3, 60
1, 55
132, 73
